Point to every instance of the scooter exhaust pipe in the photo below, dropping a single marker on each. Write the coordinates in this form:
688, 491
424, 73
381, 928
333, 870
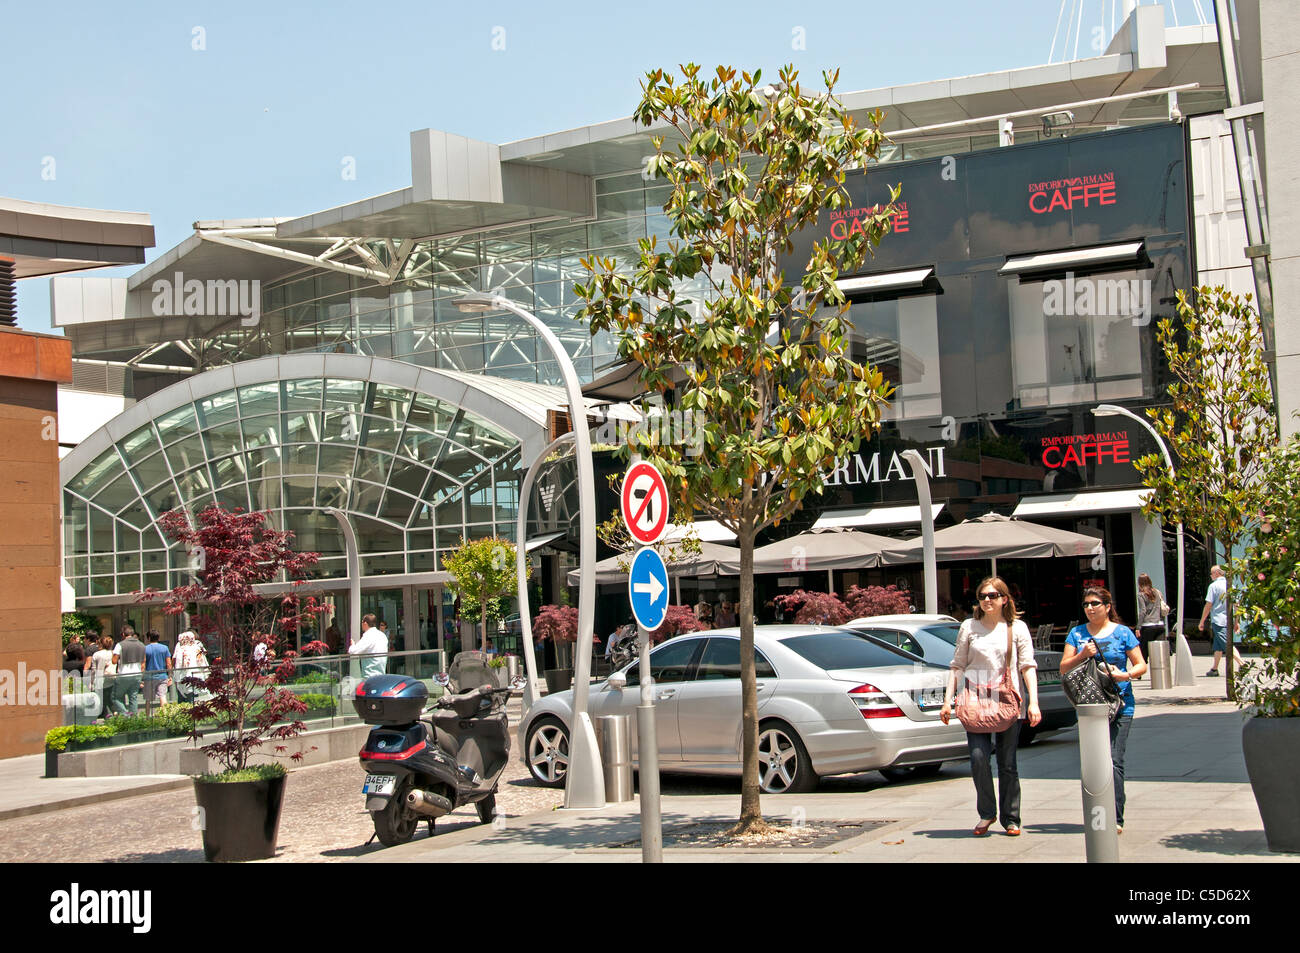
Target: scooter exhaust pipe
428, 804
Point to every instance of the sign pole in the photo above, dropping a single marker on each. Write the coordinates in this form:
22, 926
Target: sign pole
643, 487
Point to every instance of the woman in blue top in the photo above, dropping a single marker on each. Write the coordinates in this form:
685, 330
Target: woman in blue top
1120, 650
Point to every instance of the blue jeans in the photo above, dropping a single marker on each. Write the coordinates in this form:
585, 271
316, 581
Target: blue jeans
981, 770
1119, 729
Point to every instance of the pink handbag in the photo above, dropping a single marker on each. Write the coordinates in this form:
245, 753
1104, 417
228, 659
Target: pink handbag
993, 707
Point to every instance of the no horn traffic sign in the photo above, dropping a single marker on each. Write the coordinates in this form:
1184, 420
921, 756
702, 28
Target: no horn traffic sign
645, 503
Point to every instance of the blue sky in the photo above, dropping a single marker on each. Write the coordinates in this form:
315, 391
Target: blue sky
259, 120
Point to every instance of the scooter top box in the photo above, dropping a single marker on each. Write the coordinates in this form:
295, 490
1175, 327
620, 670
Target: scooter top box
390, 699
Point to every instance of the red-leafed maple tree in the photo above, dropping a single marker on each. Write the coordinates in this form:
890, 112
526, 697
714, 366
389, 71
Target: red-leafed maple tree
233, 552
814, 608
878, 600
678, 620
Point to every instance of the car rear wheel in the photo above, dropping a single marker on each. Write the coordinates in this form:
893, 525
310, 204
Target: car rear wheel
911, 772
547, 748
783, 763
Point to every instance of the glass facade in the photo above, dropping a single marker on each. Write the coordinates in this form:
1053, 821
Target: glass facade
414, 474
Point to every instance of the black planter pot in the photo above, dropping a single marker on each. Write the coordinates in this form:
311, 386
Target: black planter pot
51, 763
558, 680
1272, 750
241, 820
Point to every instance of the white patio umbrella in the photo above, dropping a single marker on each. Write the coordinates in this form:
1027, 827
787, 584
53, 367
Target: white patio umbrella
823, 549
997, 537
714, 559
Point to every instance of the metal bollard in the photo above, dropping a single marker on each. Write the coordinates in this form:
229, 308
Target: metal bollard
1158, 650
1097, 779
616, 755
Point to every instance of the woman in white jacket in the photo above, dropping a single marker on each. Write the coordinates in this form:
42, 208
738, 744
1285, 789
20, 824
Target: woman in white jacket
981, 657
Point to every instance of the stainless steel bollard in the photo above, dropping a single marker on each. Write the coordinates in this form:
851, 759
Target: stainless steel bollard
616, 755
1097, 778
1158, 650
512, 668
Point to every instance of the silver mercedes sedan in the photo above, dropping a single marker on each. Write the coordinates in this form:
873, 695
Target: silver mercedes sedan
829, 702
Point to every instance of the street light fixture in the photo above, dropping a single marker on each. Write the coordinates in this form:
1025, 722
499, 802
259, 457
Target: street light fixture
1183, 674
585, 783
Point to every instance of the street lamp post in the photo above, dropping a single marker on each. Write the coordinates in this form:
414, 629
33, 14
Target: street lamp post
922, 478
1183, 674
531, 693
585, 783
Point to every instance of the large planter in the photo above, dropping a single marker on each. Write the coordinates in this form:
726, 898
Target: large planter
241, 820
1272, 750
558, 680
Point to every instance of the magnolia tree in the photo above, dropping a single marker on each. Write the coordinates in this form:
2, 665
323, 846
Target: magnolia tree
235, 553
1270, 592
482, 574
770, 383
1219, 427
815, 608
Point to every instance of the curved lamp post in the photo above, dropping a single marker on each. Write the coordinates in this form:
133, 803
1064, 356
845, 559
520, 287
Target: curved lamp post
1183, 674
531, 694
585, 784
921, 475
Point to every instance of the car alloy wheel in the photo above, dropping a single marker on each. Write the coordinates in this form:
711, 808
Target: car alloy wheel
783, 764
548, 752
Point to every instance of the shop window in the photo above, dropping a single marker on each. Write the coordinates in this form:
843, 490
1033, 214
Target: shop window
1079, 340
900, 337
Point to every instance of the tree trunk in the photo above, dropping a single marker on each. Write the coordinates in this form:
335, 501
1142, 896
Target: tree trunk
483, 628
751, 814
1232, 643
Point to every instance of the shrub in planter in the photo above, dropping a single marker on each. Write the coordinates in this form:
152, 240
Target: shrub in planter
814, 608
242, 697
1269, 593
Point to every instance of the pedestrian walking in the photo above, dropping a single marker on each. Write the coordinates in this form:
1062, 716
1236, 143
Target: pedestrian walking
373, 645
1152, 612
189, 660
74, 656
1216, 611
128, 657
1121, 652
157, 667
102, 671
994, 649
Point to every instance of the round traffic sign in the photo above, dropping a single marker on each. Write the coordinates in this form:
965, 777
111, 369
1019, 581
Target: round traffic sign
647, 589
645, 503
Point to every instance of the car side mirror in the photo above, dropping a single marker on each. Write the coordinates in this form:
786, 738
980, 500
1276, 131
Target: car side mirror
618, 681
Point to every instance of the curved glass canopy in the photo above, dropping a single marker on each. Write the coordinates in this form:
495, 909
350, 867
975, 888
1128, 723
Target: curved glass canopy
415, 473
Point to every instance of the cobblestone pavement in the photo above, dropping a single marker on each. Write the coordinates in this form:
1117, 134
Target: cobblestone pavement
324, 820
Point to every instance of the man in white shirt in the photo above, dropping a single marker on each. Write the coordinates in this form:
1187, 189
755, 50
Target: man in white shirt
374, 645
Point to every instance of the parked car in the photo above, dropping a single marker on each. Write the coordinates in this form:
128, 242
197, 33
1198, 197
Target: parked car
829, 702
934, 638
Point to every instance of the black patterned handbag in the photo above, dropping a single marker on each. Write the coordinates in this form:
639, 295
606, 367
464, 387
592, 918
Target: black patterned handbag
1087, 684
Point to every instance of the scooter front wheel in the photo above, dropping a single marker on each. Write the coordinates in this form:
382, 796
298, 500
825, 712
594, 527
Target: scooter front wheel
487, 808
396, 823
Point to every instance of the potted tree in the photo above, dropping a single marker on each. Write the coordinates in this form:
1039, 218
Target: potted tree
559, 624
1269, 594
242, 701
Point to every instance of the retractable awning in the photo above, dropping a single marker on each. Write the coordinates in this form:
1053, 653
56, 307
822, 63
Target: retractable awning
1125, 253
890, 281
1077, 504
876, 516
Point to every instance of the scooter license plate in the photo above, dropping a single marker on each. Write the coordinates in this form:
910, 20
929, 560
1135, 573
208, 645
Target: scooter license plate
379, 784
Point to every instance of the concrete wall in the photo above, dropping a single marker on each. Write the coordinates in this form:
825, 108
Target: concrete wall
31, 367
178, 756
1280, 55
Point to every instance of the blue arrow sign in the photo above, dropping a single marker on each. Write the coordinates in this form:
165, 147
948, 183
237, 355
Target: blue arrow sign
647, 588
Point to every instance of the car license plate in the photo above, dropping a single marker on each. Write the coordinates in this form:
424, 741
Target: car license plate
932, 698
379, 784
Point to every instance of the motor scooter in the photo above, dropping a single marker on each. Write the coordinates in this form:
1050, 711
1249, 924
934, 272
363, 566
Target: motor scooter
421, 765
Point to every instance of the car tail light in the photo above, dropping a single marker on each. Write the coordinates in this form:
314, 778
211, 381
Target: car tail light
873, 703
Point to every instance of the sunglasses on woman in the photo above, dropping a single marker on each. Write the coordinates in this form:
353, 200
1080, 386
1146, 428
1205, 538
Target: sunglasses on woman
990, 595
1094, 605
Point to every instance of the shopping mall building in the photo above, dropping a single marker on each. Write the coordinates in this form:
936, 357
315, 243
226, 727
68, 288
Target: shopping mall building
1048, 218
